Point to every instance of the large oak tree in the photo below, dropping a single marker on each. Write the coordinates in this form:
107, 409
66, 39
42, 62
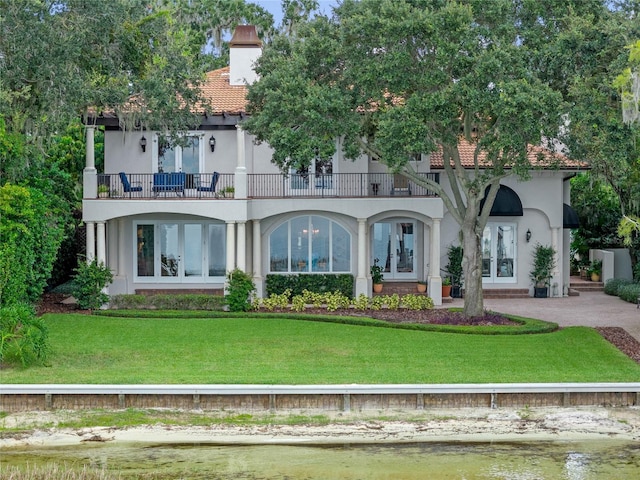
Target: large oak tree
393, 78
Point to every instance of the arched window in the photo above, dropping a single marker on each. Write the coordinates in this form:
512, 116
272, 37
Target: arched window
310, 244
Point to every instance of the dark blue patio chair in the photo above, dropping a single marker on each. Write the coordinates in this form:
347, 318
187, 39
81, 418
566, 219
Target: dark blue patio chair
126, 185
211, 188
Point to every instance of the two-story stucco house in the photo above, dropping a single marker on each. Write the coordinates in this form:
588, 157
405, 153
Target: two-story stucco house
164, 217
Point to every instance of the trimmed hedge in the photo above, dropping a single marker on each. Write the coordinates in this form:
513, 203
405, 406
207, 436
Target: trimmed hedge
317, 283
612, 286
629, 293
168, 302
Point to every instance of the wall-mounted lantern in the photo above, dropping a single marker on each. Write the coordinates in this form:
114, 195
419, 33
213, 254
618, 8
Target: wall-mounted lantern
212, 143
143, 144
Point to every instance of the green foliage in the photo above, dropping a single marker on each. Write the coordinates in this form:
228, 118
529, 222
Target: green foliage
314, 283
31, 230
240, 289
277, 301
23, 336
630, 292
598, 209
612, 286
417, 302
89, 282
454, 267
376, 272
542, 266
168, 302
595, 267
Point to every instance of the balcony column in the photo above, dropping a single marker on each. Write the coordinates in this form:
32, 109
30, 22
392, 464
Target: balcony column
240, 178
122, 261
241, 257
101, 242
90, 241
231, 246
362, 282
90, 175
435, 281
257, 259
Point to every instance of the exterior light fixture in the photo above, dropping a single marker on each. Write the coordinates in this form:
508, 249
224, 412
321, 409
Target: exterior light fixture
143, 144
212, 143
528, 235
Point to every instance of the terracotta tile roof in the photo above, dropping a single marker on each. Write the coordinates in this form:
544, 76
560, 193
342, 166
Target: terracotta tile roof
538, 156
224, 97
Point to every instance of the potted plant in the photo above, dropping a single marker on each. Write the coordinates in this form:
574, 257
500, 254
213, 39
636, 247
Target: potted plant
446, 287
543, 264
454, 269
376, 276
228, 192
421, 286
594, 271
103, 191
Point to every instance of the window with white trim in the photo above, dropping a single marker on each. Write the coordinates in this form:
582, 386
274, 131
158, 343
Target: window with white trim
310, 244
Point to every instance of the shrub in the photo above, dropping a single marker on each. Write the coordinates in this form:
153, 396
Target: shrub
317, 283
630, 292
23, 336
89, 282
612, 285
168, 301
240, 291
416, 302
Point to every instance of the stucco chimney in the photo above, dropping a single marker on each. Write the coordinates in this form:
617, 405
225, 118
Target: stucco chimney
244, 49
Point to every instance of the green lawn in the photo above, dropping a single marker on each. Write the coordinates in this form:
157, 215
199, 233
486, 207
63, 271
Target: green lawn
95, 349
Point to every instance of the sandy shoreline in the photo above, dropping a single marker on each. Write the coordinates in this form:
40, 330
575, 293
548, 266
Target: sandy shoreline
35, 428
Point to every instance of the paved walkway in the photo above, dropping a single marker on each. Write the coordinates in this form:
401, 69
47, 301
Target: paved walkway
591, 309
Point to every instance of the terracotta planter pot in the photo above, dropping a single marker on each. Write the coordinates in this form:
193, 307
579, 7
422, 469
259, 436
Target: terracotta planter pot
377, 287
421, 287
446, 291
595, 277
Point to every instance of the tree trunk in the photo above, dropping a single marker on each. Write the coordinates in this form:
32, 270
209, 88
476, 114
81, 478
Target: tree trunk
472, 267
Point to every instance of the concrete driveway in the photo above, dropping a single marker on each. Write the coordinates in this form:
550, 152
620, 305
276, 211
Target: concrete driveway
591, 309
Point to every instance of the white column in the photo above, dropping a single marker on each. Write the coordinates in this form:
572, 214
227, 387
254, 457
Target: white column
257, 259
362, 281
557, 279
90, 241
101, 242
89, 154
231, 246
435, 281
122, 261
240, 179
89, 177
241, 261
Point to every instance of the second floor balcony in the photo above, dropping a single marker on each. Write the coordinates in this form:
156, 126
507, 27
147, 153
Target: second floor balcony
208, 186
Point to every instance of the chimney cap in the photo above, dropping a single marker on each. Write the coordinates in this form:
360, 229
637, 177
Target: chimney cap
245, 36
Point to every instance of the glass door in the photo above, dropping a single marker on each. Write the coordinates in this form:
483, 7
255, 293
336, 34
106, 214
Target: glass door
499, 253
394, 247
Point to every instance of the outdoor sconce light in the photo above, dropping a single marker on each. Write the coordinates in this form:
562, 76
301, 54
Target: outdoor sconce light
143, 144
528, 235
212, 143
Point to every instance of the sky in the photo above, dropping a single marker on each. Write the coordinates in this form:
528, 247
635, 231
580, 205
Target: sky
273, 6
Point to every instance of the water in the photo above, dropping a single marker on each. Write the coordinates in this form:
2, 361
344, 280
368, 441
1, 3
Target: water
585, 460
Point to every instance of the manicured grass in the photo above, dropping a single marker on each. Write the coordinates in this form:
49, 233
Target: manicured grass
95, 349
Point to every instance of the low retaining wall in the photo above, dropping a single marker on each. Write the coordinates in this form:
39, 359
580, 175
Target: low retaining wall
17, 398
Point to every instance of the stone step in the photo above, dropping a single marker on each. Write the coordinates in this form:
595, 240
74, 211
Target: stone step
587, 286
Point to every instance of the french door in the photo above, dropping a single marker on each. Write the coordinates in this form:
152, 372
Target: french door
179, 251
394, 245
499, 253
